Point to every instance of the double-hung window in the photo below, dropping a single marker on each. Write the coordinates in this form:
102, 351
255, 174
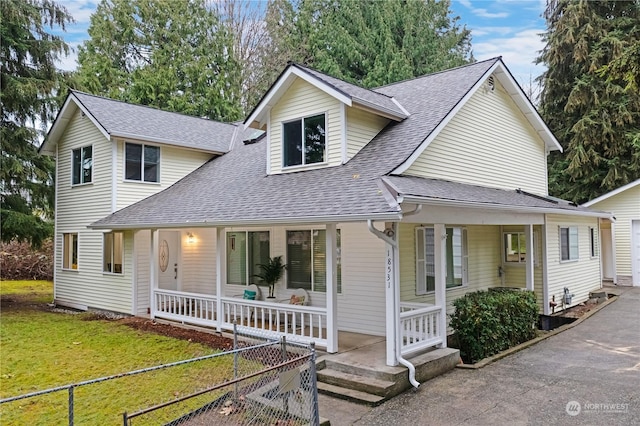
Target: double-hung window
142, 162
304, 141
245, 251
82, 165
456, 255
70, 251
568, 243
515, 247
113, 249
307, 260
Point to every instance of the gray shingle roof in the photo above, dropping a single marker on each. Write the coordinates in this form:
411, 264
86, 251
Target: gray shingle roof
358, 94
234, 188
146, 123
441, 190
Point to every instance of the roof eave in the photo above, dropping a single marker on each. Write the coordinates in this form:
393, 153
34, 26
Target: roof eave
125, 135
612, 193
413, 199
253, 222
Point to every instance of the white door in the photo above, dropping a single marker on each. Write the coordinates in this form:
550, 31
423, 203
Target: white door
635, 252
607, 253
169, 260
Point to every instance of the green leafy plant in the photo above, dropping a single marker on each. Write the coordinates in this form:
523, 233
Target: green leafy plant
487, 322
271, 272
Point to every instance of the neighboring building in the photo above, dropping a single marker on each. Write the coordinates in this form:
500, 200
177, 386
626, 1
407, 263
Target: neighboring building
386, 204
620, 240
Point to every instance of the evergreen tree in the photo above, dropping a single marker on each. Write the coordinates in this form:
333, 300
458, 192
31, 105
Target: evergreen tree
29, 86
173, 55
370, 43
590, 95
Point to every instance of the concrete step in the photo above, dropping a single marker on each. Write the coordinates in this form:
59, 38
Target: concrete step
349, 394
369, 385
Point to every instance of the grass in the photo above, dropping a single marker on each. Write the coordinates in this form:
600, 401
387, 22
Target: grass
40, 349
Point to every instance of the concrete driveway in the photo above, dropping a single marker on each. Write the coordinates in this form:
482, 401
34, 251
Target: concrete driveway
592, 368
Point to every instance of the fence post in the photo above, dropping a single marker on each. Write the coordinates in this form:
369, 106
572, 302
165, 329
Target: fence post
283, 350
124, 419
235, 359
70, 405
315, 414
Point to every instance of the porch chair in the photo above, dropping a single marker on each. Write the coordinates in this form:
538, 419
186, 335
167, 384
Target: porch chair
251, 292
300, 296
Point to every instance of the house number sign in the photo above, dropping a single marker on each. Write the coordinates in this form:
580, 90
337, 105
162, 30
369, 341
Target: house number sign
164, 255
389, 266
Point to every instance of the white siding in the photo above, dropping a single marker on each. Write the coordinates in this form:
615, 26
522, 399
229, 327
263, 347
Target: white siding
484, 258
302, 100
77, 207
199, 261
580, 276
175, 164
488, 142
625, 206
362, 127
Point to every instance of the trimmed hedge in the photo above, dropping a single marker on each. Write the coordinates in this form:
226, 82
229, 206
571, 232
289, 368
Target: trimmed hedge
487, 322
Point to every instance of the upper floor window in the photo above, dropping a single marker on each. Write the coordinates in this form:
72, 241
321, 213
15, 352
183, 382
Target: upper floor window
456, 273
246, 250
307, 260
113, 249
82, 165
569, 243
304, 141
142, 162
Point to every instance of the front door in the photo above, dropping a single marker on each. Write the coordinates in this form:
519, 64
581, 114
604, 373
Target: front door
607, 254
169, 260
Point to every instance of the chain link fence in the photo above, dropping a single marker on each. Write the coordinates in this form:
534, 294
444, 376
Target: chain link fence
261, 381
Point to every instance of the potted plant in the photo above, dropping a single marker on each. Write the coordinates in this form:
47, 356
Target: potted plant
270, 273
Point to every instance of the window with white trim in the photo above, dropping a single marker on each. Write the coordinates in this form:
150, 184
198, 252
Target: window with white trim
82, 165
568, 243
142, 162
70, 251
113, 252
457, 259
515, 247
307, 260
246, 250
593, 241
304, 141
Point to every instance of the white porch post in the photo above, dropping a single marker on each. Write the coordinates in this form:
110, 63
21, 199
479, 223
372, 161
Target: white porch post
332, 288
390, 308
440, 260
153, 270
528, 230
220, 248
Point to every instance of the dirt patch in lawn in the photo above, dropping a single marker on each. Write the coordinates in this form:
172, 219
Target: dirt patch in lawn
213, 340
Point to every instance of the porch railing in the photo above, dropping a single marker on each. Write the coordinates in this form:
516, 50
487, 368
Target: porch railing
194, 308
298, 323
420, 327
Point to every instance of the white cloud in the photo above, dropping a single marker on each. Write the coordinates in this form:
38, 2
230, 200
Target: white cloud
483, 31
482, 12
69, 62
518, 53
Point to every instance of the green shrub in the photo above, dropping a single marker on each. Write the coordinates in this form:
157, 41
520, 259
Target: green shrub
487, 322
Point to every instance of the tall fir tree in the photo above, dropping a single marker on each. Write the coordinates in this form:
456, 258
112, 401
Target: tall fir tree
590, 96
30, 83
173, 55
371, 43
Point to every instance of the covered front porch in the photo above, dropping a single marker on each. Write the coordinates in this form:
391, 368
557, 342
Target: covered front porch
183, 277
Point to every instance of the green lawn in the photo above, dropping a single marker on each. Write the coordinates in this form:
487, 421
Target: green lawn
40, 349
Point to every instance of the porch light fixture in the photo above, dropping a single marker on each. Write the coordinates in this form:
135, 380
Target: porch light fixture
190, 238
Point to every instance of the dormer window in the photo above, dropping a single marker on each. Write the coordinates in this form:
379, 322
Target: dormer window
304, 141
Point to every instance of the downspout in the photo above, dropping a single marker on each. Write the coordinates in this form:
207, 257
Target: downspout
392, 241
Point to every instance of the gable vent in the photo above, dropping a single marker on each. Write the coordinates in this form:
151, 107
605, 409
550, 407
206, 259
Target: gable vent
491, 86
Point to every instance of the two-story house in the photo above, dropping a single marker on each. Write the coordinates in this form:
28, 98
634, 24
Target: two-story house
386, 205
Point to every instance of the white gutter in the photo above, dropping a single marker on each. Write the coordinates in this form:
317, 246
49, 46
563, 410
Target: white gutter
489, 206
251, 222
393, 242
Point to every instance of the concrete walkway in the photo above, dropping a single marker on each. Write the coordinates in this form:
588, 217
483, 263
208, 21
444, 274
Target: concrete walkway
596, 364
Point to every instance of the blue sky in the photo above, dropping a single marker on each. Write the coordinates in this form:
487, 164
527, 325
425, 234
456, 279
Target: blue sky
507, 28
